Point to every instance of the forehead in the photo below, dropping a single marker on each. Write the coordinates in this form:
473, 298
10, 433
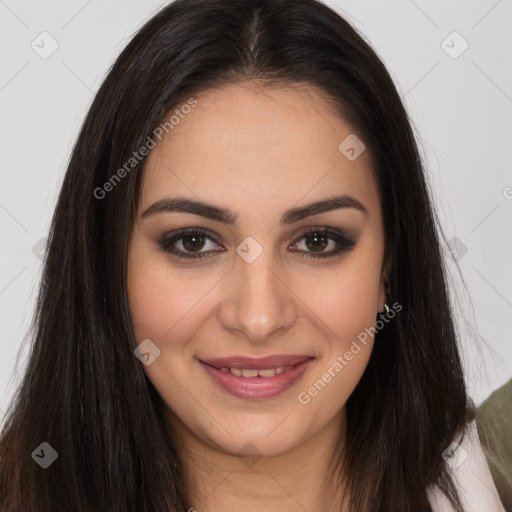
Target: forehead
250, 146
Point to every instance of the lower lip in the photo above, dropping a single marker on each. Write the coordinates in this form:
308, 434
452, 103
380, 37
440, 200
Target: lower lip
256, 387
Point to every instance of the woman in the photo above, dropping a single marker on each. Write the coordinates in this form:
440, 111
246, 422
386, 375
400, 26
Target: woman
243, 305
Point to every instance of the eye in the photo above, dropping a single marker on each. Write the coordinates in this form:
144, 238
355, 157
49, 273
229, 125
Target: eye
190, 240
318, 239
188, 244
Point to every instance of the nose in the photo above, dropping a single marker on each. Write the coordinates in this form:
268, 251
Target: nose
258, 301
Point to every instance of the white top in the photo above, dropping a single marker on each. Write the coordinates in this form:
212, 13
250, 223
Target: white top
468, 466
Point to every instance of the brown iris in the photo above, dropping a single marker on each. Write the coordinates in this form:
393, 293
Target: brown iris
191, 242
316, 238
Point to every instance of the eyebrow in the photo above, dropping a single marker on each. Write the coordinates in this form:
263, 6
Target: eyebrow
210, 211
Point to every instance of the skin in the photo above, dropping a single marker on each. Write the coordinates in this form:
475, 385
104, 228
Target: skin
257, 152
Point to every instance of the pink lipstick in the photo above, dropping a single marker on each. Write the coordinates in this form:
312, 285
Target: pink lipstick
246, 377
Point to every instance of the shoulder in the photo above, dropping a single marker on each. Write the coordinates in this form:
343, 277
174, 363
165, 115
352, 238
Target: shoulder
468, 466
494, 420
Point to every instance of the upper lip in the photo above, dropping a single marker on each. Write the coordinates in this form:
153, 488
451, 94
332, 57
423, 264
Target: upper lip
263, 363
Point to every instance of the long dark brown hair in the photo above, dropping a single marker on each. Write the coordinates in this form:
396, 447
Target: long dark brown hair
86, 394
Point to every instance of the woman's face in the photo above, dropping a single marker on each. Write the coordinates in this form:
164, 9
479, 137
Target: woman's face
257, 159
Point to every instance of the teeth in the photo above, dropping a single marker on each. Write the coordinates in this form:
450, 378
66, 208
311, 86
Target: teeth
268, 373
239, 372
250, 373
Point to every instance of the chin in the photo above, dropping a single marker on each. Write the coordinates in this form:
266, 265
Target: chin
257, 442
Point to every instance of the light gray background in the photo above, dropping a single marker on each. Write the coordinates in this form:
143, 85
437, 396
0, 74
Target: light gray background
461, 108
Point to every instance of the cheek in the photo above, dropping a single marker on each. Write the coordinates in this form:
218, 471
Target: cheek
349, 312
164, 303
344, 303
345, 310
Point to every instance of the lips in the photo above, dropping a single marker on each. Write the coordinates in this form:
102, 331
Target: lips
251, 378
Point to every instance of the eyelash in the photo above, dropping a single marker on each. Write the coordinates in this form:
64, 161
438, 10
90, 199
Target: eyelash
345, 243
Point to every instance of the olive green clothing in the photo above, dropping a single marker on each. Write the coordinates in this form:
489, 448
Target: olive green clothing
494, 422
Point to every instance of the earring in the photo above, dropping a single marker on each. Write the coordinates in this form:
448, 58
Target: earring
386, 307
